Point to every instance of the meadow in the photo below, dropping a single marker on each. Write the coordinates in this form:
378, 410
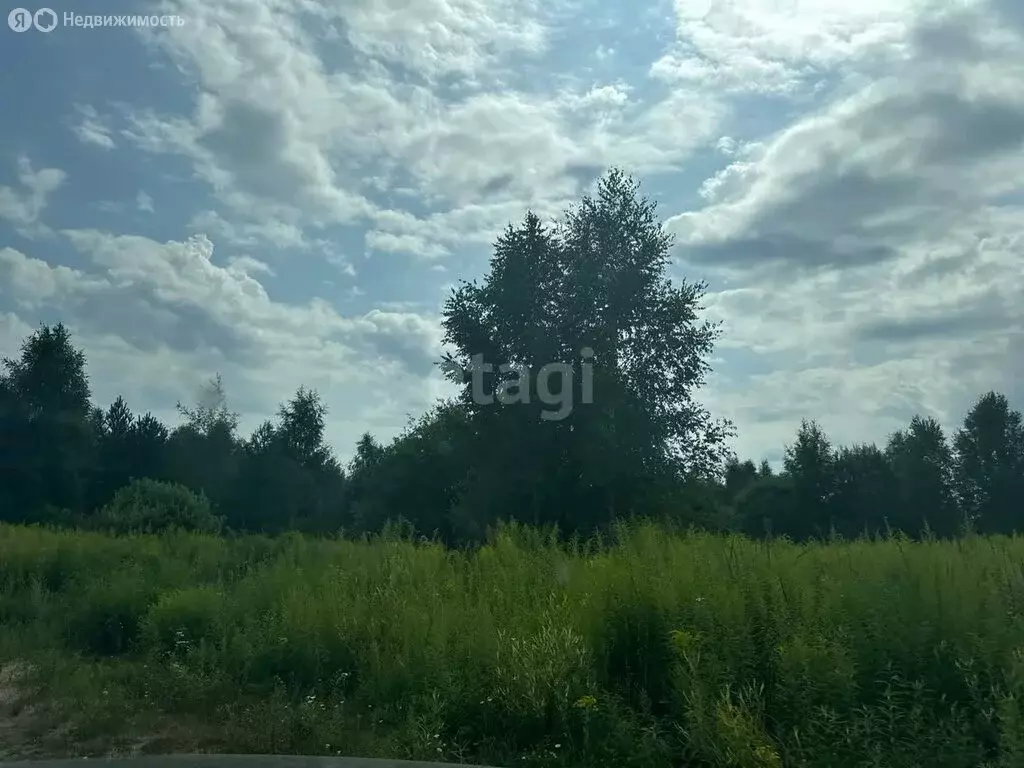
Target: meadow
652, 648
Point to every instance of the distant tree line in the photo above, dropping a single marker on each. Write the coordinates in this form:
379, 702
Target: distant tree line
919, 483
640, 445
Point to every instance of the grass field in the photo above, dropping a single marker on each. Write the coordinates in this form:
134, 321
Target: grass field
656, 649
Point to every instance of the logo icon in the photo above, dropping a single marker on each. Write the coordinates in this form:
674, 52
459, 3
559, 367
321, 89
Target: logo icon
45, 20
20, 20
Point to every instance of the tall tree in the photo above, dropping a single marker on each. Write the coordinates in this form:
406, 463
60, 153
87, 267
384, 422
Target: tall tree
989, 464
317, 480
368, 455
810, 464
739, 476
288, 479
202, 452
592, 295
148, 441
419, 478
922, 465
114, 452
863, 493
45, 451
259, 500
766, 508
302, 429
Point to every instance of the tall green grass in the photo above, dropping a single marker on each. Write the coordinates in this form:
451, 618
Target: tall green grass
653, 649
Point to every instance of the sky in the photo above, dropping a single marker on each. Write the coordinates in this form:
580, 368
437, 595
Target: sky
284, 192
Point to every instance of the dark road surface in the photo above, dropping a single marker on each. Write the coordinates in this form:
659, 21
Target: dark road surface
229, 761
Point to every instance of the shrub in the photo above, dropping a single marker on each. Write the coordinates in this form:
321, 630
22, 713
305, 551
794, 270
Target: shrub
183, 618
151, 506
107, 619
652, 651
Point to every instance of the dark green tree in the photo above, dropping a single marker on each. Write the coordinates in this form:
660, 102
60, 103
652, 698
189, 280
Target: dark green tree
114, 452
148, 441
989, 465
303, 421
46, 437
368, 455
203, 451
259, 499
419, 478
810, 465
590, 293
864, 494
316, 478
767, 508
739, 476
288, 479
922, 465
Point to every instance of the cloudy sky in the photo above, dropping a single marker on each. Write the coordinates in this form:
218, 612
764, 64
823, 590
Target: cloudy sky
283, 191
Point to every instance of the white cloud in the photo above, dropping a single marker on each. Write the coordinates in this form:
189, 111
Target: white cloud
91, 128
23, 207
440, 37
899, 157
169, 314
30, 282
407, 243
288, 138
246, 265
778, 45
872, 249
248, 233
863, 254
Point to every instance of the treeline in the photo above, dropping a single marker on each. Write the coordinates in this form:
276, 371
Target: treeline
627, 439
920, 483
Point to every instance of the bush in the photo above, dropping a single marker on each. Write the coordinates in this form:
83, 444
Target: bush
183, 618
652, 650
151, 506
107, 620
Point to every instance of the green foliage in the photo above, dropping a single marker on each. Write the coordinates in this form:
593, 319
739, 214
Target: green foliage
426, 463
648, 649
592, 287
151, 506
107, 618
990, 464
590, 292
922, 466
810, 465
45, 430
182, 619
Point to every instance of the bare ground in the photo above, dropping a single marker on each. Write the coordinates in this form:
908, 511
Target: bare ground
33, 727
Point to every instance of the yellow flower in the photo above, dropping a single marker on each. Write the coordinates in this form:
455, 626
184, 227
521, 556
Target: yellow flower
767, 756
585, 702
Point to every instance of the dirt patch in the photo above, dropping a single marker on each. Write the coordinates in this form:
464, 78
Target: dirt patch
16, 710
34, 727
14, 676
30, 726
